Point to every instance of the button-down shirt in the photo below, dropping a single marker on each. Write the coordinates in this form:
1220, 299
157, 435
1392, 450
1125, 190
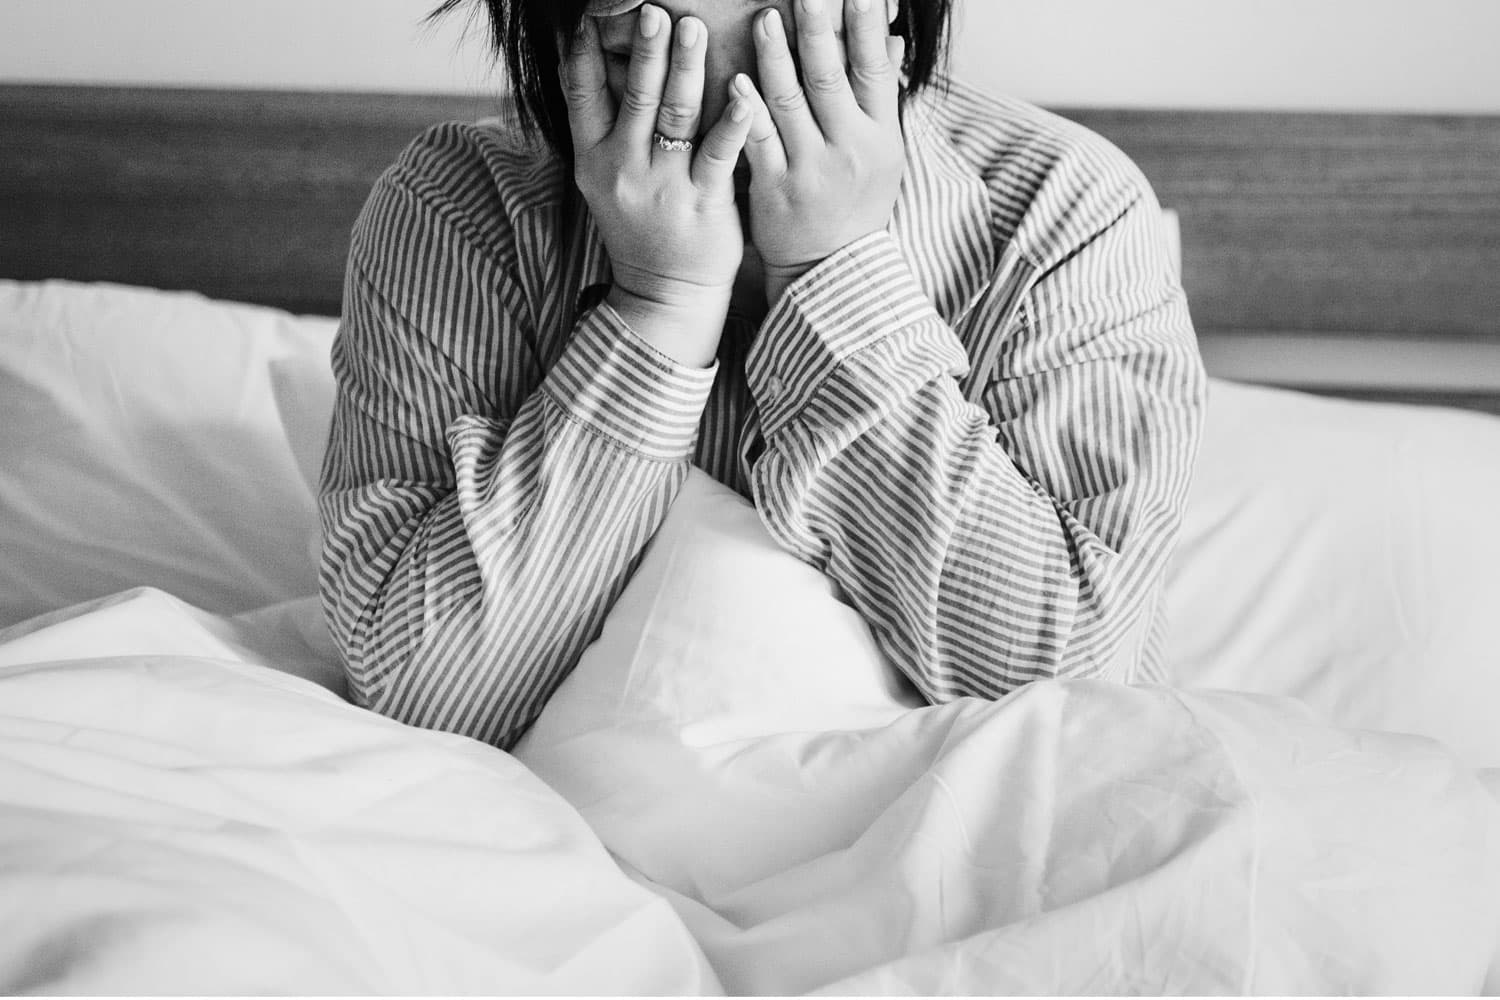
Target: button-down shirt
979, 422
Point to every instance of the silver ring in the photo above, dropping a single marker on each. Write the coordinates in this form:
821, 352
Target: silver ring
673, 145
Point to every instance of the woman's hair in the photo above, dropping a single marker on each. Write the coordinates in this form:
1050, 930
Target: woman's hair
524, 35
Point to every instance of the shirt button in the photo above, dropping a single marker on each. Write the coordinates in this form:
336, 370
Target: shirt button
775, 386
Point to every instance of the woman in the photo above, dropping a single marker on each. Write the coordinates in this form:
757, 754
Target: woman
933, 336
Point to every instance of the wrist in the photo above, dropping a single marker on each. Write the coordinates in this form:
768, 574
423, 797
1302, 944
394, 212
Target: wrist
781, 277
684, 326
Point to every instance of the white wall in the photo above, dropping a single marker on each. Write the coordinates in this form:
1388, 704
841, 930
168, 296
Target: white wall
1436, 55
1396, 55
284, 44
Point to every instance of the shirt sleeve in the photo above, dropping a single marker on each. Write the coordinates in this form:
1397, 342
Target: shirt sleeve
480, 516
1016, 537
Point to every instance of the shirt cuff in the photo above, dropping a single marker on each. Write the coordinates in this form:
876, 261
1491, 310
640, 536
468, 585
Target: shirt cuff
615, 383
851, 301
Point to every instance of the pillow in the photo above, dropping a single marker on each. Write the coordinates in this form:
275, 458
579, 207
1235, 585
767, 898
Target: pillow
684, 612
144, 447
720, 639
1345, 553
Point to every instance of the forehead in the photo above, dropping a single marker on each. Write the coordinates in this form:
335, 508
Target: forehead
617, 19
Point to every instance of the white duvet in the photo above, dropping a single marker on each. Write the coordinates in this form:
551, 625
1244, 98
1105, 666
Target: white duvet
754, 813
197, 824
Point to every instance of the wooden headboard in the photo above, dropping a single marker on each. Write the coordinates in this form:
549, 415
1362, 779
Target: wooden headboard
1317, 248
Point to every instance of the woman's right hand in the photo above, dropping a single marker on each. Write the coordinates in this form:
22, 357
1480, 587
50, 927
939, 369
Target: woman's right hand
667, 218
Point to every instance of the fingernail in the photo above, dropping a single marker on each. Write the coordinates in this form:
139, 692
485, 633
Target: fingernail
742, 84
687, 32
771, 24
739, 110
863, 6
812, 7
650, 21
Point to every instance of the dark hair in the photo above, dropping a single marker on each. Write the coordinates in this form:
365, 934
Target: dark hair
524, 33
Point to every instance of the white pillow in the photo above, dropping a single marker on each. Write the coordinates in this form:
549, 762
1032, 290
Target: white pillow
721, 639
143, 447
715, 592
1346, 554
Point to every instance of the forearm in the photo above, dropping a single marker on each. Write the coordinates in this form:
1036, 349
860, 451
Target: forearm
462, 608
974, 578
495, 591
986, 549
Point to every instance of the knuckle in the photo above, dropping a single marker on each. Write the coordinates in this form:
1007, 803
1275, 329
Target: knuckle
824, 81
872, 76
645, 65
718, 148
573, 88
676, 113
788, 101
638, 102
645, 50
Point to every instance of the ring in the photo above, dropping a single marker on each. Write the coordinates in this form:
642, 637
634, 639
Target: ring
673, 145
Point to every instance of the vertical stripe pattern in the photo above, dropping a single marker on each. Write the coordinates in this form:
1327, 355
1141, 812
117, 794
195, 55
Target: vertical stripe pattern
981, 422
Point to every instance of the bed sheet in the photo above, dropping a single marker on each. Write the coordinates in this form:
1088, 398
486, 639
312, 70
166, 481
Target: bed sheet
1344, 553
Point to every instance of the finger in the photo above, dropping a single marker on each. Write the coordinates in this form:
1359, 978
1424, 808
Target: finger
643, 82
763, 146
720, 150
682, 101
591, 109
896, 46
823, 77
872, 73
780, 88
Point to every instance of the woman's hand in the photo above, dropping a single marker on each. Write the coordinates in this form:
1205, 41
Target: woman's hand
667, 217
826, 154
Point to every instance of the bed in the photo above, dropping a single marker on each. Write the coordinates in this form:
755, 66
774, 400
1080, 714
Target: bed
189, 805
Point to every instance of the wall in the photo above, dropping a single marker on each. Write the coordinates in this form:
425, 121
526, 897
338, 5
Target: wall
376, 45
1394, 55
1438, 55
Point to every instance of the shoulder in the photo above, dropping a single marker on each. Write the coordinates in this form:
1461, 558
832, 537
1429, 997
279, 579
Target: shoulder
1053, 184
471, 184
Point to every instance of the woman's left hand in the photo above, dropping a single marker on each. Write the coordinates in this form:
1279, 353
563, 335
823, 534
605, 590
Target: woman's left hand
826, 153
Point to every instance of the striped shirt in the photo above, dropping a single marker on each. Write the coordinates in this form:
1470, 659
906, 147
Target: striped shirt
980, 422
